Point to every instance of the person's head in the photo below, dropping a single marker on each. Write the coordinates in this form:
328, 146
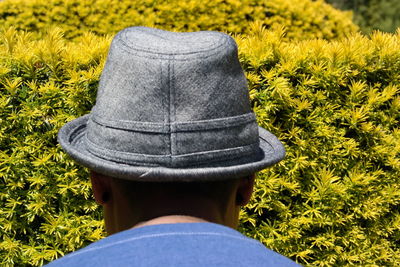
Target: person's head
127, 203
173, 125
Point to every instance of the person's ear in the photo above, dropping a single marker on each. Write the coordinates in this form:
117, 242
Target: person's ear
101, 187
245, 190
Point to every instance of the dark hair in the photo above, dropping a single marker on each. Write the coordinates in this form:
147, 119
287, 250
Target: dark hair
216, 191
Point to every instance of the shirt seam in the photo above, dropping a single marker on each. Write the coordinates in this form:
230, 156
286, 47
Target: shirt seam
162, 235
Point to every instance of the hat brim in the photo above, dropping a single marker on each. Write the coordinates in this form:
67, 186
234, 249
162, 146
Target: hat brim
71, 138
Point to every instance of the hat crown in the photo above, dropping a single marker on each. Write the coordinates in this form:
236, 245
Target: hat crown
184, 96
176, 77
170, 43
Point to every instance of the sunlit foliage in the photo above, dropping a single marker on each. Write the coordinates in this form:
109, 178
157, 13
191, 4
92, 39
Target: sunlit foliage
302, 18
334, 200
46, 203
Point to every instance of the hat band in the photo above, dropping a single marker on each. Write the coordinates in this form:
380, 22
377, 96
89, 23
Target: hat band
173, 145
157, 127
251, 152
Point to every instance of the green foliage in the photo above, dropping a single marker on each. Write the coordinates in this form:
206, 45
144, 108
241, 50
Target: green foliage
334, 200
302, 18
378, 15
373, 14
335, 105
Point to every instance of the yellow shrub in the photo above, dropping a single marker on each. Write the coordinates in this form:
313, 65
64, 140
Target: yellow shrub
301, 18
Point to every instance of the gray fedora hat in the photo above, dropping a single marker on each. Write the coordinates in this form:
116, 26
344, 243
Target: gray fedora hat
171, 107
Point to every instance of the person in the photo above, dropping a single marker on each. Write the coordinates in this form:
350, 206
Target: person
172, 146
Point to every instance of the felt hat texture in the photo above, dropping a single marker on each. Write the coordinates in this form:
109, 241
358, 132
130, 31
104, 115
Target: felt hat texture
171, 106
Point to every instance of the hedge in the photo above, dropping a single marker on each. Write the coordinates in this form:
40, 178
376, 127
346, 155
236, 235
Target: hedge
302, 18
333, 201
46, 203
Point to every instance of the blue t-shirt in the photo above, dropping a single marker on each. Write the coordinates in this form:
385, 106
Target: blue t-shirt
178, 244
